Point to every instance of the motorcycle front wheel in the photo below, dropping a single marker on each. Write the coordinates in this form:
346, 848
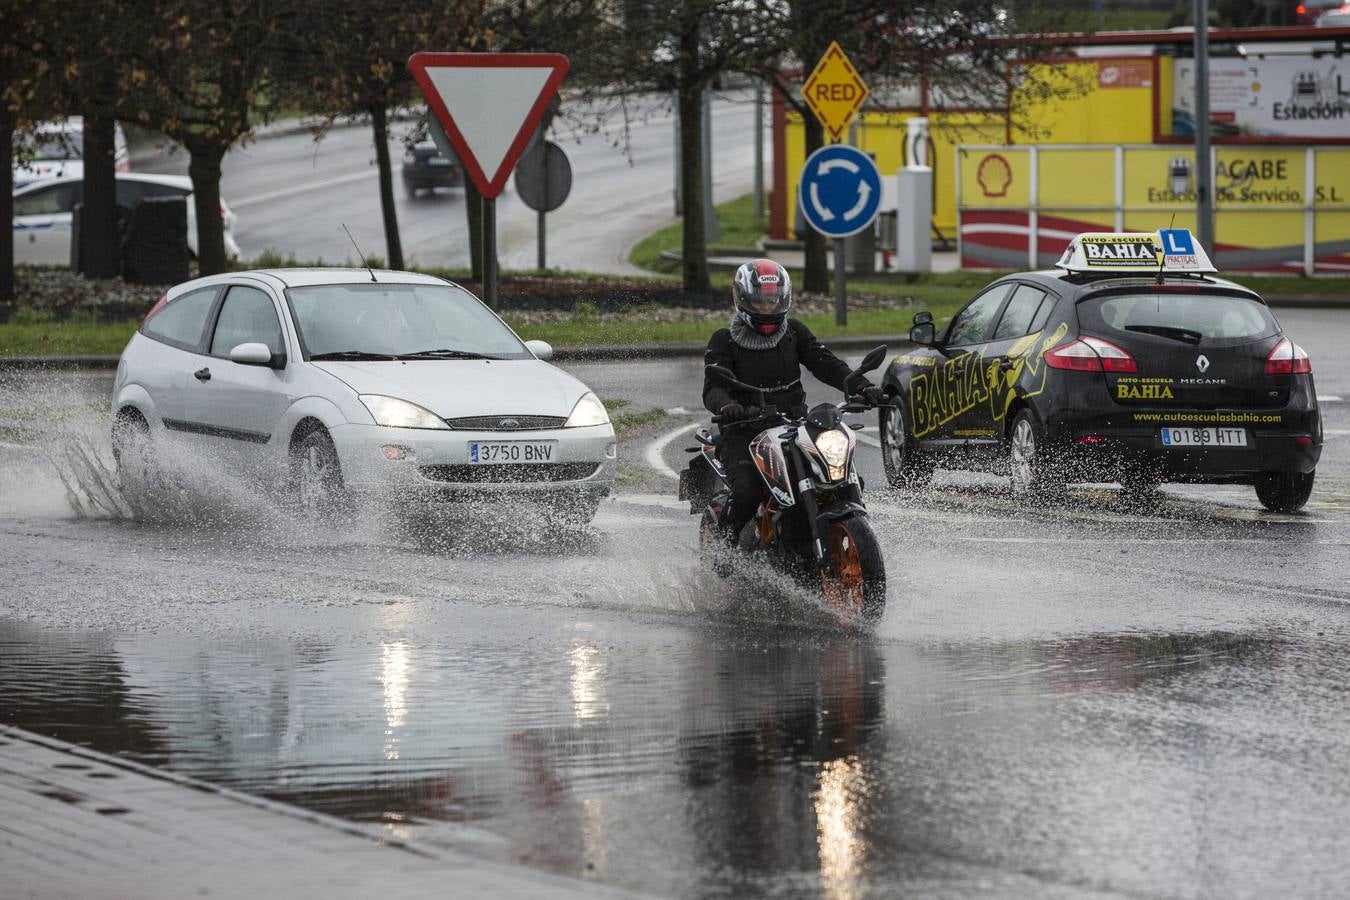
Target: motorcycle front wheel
853, 581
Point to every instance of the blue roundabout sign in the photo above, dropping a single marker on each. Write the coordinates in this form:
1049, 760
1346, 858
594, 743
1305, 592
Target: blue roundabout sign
839, 191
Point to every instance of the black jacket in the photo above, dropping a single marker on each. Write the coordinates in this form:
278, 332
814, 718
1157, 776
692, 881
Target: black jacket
778, 369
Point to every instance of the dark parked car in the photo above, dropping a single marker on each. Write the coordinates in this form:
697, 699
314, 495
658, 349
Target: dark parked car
425, 168
1129, 362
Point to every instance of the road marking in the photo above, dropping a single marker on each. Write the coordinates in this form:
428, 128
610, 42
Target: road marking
1328, 398
7, 446
302, 188
655, 448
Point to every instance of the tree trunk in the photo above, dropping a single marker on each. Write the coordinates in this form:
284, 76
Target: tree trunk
6, 199
204, 168
98, 251
392, 243
816, 276
689, 97
473, 210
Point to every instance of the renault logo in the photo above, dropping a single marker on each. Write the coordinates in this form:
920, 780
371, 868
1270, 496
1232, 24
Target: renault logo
512, 424
1202, 363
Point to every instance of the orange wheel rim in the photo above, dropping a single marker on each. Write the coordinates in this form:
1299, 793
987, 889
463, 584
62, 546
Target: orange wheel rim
842, 580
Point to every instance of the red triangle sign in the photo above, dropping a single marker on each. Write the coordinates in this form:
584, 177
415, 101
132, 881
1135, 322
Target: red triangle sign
489, 105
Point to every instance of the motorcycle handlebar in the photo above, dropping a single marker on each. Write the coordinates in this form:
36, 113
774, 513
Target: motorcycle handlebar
854, 404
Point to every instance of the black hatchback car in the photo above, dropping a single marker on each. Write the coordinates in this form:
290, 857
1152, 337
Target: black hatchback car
1126, 363
425, 168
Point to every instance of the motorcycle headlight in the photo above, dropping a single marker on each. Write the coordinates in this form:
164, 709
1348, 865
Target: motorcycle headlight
392, 412
833, 446
588, 411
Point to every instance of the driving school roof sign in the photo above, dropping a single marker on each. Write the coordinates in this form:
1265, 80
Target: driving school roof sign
1168, 250
834, 91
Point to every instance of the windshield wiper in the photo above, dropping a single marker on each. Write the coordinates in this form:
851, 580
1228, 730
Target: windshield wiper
350, 355
1167, 331
446, 354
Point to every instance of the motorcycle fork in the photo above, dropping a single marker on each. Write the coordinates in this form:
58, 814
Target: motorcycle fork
806, 499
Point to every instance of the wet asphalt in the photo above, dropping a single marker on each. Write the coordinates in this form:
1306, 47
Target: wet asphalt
1079, 700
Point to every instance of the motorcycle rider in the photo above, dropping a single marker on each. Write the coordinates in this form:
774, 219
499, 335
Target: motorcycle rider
764, 348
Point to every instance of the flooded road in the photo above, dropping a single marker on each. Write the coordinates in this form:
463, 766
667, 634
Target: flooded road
1076, 701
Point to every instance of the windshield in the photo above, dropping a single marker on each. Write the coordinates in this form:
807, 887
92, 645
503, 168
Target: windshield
398, 320
1183, 317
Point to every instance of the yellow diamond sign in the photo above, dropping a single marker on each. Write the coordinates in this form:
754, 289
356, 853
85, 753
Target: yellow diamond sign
834, 91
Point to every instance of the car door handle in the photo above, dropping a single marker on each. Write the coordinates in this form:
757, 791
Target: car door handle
202, 374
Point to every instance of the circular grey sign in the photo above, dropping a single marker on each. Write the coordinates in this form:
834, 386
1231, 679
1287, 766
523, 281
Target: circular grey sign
544, 177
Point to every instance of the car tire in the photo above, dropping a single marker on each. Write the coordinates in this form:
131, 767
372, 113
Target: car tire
907, 467
1029, 468
132, 449
316, 476
1284, 492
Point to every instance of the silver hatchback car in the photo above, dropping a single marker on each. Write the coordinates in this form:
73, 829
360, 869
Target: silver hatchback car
341, 383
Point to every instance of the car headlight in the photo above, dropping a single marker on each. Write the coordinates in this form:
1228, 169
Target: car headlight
392, 412
588, 411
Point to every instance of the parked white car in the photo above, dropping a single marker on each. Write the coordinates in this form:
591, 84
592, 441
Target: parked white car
342, 383
56, 150
44, 209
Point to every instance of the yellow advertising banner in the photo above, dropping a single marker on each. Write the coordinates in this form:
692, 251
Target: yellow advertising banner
1332, 187
1081, 179
1244, 178
996, 179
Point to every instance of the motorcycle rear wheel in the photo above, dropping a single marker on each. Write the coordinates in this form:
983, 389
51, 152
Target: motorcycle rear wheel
853, 582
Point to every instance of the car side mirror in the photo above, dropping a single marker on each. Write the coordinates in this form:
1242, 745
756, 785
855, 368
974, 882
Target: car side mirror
923, 333
540, 349
255, 353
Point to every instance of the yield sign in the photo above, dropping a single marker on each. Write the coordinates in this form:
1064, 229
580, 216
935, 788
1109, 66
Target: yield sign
489, 105
834, 91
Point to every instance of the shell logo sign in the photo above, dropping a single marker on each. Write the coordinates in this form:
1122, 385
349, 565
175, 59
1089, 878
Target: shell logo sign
994, 175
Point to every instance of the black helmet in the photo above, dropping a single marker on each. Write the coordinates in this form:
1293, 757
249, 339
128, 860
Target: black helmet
762, 293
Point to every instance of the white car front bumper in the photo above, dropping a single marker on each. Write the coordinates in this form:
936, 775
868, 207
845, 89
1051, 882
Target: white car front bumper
436, 464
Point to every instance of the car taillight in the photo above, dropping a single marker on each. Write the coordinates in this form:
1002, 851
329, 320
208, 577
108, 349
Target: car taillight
159, 304
1288, 358
1090, 354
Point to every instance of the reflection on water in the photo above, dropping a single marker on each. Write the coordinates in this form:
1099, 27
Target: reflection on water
707, 760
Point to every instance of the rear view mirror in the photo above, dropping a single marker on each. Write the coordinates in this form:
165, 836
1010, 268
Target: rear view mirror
923, 317
872, 359
724, 377
252, 354
923, 332
540, 349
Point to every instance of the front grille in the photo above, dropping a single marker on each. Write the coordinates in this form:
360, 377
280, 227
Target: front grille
506, 423
522, 472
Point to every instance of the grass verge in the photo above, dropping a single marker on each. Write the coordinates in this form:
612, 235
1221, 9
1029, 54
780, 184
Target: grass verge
33, 332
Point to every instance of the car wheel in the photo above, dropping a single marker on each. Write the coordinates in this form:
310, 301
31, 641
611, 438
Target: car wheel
907, 467
1028, 463
316, 474
1284, 491
133, 452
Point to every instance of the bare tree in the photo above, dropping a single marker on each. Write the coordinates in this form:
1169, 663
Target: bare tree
353, 62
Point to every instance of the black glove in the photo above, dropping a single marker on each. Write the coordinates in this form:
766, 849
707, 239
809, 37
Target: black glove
734, 412
873, 395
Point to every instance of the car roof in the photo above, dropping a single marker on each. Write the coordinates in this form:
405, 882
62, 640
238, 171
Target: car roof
182, 182
1077, 286
308, 276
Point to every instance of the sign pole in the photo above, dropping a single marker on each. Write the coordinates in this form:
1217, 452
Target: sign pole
544, 150
489, 243
1204, 171
840, 303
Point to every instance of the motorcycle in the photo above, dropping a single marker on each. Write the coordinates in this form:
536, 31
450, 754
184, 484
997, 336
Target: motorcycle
812, 524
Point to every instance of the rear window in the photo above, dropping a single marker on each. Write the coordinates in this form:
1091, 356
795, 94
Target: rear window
1212, 318
182, 320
